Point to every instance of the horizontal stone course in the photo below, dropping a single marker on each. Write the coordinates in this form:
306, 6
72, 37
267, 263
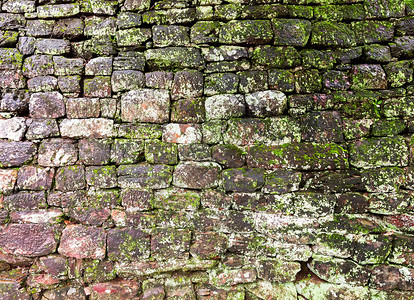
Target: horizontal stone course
206, 149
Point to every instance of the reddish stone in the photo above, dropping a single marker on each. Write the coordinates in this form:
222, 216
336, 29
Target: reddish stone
115, 290
209, 245
83, 242
29, 240
7, 180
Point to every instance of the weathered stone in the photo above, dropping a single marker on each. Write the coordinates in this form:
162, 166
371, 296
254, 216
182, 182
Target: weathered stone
26, 45
364, 153
38, 65
182, 133
372, 249
386, 277
318, 59
158, 152
126, 80
368, 77
271, 131
322, 127
57, 11
40, 28
399, 73
35, 178
99, 86
266, 103
128, 244
19, 7
173, 35
13, 154
8, 179
42, 84
25, 201
136, 200
281, 181
367, 32
300, 156
187, 84
120, 289
159, 80
102, 177
127, 151
144, 176
68, 66
131, 61
145, 105
46, 105
224, 106
205, 32
281, 80
140, 131
334, 244
70, 178
83, 242
384, 9
128, 20
169, 16
221, 83
12, 129
308, 81
173, 57
230, 156
330, 34
195, 152
208, 245
41, 128
30, 240
336, 80
243, 179
252, 81
52, 46
69, 28
170, 243
383, 179
246, 31
175, 199
339, 271
188, 111
233, 276
95, 151
90, 128
132, 36
82, 108
291, 32
99, 66
203, 175
277, 270
378, 53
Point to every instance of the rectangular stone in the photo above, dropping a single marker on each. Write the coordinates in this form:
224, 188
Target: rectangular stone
13, 154
12, 129
88, 128
57, 11
379, 152
144, 176
298, 156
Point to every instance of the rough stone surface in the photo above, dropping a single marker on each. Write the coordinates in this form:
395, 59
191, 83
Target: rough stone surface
206, 149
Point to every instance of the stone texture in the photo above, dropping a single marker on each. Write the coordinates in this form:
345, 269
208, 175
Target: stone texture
79, 241
145, 105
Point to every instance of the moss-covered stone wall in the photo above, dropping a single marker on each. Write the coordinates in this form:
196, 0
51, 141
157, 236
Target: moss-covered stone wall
206, 149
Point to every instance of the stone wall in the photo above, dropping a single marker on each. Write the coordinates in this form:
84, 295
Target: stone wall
206, 149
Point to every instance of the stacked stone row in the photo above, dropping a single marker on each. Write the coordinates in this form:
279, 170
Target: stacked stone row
206, 149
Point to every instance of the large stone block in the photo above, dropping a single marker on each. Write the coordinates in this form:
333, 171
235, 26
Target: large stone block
144, 176
13, 154
197, 175
80, 241
47, 105
145, 105
87, 128
57, 152
246, 32
30, 240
